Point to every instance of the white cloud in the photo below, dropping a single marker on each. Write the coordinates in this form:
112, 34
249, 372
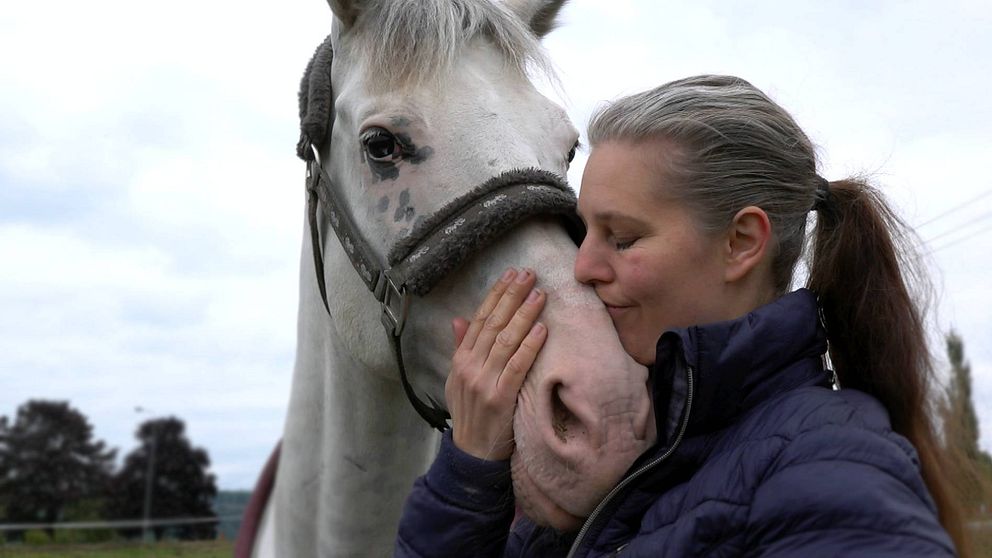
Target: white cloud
113, 329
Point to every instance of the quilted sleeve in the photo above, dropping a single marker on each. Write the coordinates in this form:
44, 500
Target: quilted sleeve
463, 506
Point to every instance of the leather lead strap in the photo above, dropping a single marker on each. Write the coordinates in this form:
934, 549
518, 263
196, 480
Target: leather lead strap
318, 253
434, 414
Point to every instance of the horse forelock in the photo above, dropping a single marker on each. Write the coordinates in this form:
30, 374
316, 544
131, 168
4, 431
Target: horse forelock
407, 43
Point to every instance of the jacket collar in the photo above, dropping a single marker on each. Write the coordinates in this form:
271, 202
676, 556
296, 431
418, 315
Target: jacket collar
719, 371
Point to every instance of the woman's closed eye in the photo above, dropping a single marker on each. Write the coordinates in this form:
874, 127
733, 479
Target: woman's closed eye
623, 244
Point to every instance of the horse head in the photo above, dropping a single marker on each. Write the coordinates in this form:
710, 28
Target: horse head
432, 99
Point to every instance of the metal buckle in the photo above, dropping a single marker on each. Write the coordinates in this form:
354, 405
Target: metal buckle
395, 303
313, 167
311, 171
316, 155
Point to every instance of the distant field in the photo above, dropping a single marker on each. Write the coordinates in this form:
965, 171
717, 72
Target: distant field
225, 549
170, 549
982, 537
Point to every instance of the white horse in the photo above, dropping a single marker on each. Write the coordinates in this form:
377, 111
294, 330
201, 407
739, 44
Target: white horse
430, 100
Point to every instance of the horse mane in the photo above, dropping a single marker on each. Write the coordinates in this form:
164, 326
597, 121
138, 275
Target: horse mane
413, 42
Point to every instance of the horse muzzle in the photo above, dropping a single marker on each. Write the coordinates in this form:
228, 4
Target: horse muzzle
579, 426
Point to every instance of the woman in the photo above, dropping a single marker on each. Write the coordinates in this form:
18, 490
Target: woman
696, 197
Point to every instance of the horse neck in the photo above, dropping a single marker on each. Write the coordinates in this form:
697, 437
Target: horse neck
352, 444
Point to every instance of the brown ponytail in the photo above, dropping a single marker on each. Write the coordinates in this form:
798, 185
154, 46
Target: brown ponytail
864, 270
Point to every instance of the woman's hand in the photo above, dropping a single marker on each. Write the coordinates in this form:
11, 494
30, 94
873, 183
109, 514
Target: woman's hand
493, 355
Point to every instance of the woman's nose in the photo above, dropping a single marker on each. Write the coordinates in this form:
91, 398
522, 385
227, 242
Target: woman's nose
590, 265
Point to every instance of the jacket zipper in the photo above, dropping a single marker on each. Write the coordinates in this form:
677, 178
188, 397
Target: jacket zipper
633, 476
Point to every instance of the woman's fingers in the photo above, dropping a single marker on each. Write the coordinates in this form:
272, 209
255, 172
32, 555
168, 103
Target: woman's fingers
493, 355
508, 340
486, 308
459, 327
520, 363
512, 297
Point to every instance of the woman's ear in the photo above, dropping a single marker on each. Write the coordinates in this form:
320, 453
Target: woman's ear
748, 241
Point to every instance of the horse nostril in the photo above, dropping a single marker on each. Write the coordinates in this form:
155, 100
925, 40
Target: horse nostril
561, 417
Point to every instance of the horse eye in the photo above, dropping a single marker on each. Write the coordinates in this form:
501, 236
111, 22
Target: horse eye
380, 145
571, 152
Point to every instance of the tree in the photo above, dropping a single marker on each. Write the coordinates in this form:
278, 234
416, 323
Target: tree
960, 421
3, 468
181, 485
48, 460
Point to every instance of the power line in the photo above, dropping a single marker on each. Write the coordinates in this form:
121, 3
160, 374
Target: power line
956, 208
964, 225
960, 240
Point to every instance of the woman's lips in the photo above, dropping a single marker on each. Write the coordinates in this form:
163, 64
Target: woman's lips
616, 311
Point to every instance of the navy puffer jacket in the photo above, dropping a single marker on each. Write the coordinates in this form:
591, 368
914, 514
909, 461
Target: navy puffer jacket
757, 456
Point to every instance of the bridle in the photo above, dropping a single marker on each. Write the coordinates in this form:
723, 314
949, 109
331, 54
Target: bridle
434, 248
439, 245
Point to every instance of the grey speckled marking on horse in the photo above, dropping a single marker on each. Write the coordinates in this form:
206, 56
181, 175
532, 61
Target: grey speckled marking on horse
387, 170
406, 231
410, 150
399, 121
383, 204
404, 211
383, 171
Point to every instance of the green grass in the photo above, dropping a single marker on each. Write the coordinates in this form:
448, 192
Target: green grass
982, 542
165, 549
225, 549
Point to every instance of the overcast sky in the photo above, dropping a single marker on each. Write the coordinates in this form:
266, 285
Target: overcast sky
151, 204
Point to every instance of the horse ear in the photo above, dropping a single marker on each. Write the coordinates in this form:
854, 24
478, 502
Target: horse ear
539, 14
346, 10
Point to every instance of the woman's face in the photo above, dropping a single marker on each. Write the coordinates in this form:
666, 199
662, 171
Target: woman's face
643, 253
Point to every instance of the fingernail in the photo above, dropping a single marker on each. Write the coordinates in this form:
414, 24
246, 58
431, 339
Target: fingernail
507, 275
537, 329
534, 295
523, 276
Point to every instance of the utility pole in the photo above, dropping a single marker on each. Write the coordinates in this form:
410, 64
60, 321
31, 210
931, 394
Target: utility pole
149, 477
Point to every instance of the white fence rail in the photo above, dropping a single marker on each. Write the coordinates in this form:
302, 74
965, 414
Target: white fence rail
120, 524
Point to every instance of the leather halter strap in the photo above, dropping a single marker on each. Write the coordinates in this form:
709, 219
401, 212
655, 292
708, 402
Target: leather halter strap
392, 298
441, 244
